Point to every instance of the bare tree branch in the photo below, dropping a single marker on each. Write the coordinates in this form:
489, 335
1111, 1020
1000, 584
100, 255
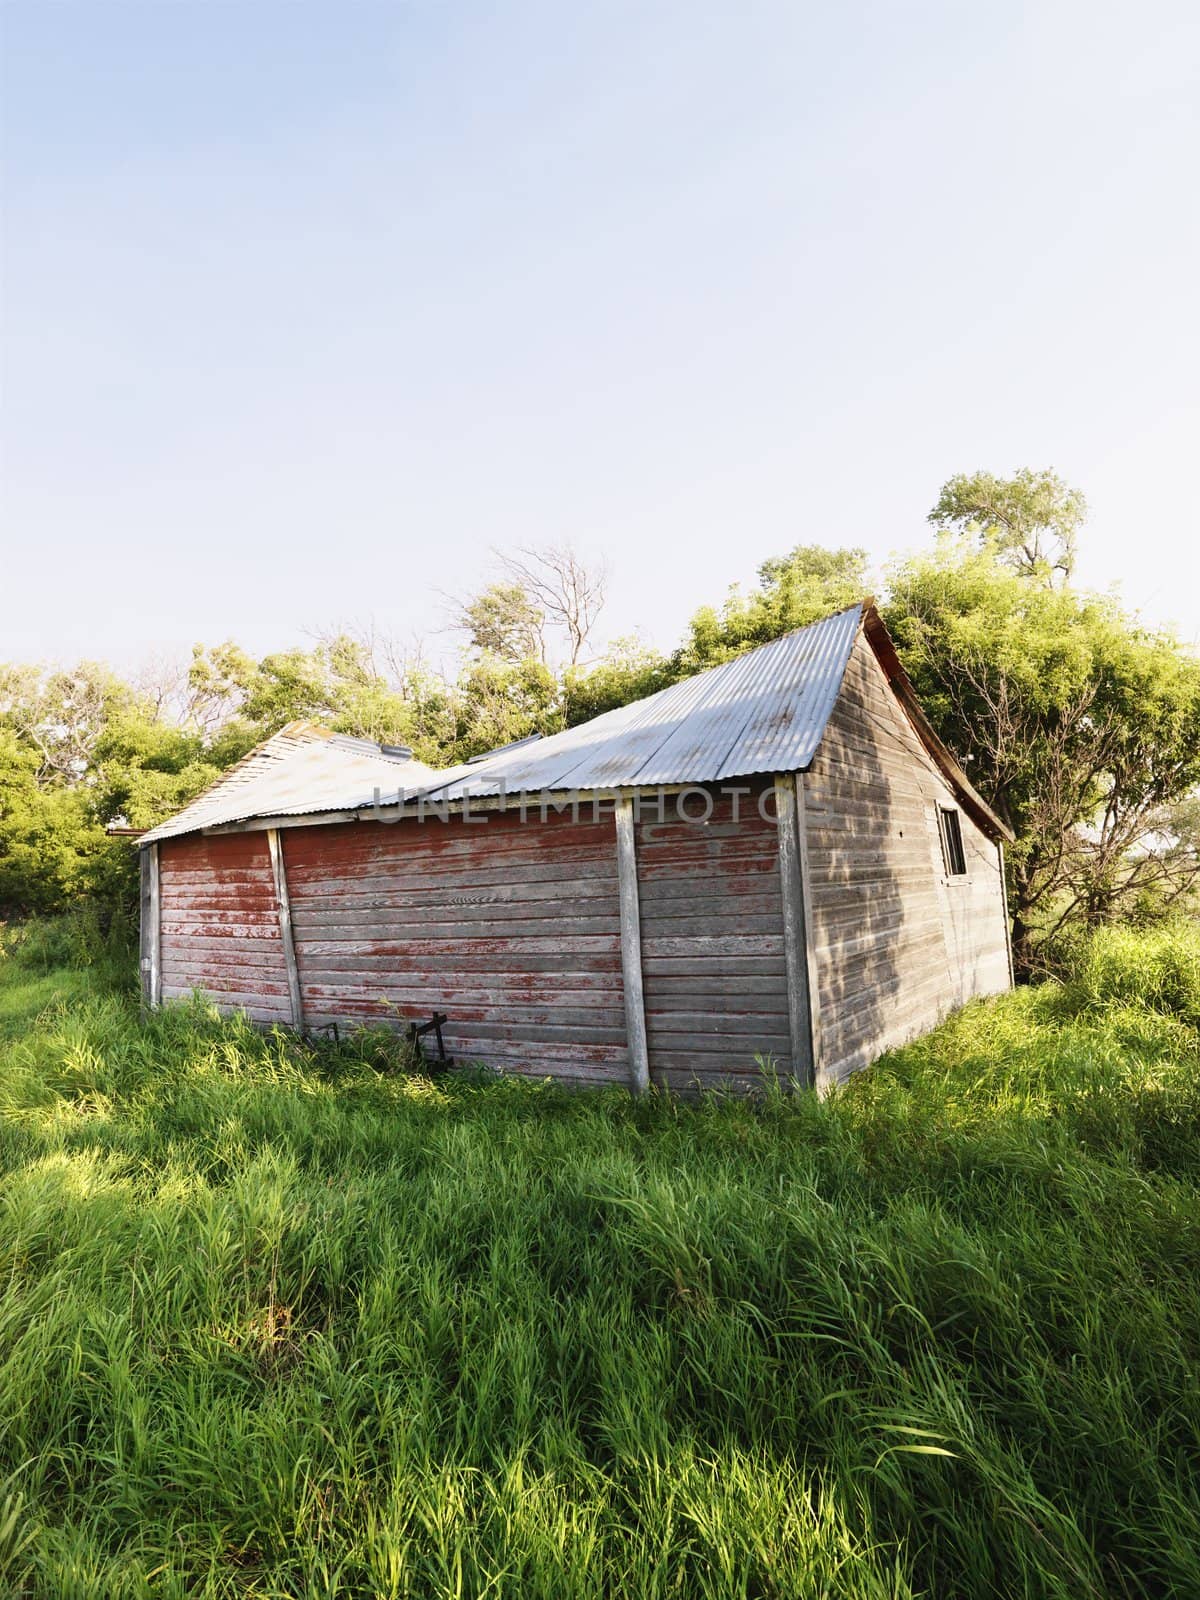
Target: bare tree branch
569, 591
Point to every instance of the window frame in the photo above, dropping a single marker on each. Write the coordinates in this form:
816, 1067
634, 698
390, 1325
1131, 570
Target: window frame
954, 849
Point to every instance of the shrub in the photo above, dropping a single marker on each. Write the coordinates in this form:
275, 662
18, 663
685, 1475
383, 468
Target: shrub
82, 937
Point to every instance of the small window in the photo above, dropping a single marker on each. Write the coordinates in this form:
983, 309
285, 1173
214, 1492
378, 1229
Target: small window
953, 853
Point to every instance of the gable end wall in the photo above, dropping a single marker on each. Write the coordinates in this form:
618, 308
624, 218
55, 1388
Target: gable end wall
898, 944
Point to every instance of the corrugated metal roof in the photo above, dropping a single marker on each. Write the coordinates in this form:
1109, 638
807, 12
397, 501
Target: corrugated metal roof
764, 711
301, 769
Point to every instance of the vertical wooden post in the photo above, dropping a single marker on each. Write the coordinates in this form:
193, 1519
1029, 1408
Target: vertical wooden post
631, 948
285, 928
150, 952
813, 984
803, 992
1012, 977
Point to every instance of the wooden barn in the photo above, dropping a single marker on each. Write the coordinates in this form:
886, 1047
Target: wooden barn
775, 858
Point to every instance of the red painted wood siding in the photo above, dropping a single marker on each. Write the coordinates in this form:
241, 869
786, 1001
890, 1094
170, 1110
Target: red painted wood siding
220, 924
712, 943
511, 928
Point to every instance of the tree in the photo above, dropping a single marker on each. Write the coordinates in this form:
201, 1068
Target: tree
498, 702
1030, 520
52, 721
510, 686
377, 688
354, 683
60, 713
219, 679
628, 670
560, 586
1078, 726
793, 590
503, 620
48, 839
145, 768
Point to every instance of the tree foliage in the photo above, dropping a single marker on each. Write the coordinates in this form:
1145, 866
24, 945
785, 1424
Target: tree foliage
505, 621
47, 833
629, 670
793, 590
360, 686
1080, 728
1031, 520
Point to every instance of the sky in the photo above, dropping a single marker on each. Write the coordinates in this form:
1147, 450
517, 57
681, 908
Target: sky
309, 306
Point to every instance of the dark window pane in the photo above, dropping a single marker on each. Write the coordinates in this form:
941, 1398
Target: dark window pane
953, 854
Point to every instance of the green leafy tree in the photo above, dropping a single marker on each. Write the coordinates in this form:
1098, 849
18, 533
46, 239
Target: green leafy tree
1030, 520
500, 701
61, 713
49, 839
1080, 728
145, 769
219, 678
628, 670
505, 621
53, 848
353, 685
792, 591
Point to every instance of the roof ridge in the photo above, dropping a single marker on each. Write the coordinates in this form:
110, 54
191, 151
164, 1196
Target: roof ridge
302, 727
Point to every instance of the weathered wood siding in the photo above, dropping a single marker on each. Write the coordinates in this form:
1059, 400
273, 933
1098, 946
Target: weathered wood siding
897, 942
511, 928
713, 963
220, 924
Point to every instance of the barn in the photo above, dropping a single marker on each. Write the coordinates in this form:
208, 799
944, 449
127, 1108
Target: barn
774, 858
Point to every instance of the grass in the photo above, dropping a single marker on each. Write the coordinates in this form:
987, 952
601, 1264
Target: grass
276, 1324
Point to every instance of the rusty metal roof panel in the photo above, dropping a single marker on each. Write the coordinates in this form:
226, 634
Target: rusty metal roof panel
303, 768
764, 711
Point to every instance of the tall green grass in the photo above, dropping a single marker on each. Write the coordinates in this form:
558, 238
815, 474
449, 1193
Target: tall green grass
1158, 969
275, 1324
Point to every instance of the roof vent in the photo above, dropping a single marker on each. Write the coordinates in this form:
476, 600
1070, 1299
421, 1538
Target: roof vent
503, 749
402, 752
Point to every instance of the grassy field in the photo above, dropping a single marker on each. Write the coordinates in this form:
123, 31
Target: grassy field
274, 1323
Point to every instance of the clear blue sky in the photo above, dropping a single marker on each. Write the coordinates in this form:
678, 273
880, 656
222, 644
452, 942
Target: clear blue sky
308, 304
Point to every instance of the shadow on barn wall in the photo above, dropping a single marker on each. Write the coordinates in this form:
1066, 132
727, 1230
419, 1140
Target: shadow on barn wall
880, 905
